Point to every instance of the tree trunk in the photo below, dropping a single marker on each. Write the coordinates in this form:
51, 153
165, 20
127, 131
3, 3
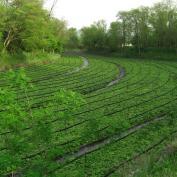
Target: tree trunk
8, 40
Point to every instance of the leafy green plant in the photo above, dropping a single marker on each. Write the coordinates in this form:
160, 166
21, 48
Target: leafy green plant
29, 144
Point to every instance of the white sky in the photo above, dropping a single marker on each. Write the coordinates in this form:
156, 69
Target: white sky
81, 13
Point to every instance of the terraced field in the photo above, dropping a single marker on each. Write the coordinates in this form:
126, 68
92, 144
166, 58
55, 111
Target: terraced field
129, 111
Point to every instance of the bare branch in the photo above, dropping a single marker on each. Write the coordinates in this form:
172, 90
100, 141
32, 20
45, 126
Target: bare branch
53, 6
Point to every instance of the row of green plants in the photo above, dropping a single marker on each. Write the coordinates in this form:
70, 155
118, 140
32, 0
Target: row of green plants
149, 114
100, 162
18, 144
21, 79
86, 110
159, 161
99, 122
74, 81
48, 68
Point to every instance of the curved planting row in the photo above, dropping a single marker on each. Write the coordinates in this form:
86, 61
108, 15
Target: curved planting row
123, 117
40, 72
167, 92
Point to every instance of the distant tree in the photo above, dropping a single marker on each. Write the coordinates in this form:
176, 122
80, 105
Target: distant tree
73, 41
115, 36
140, 28
164, 24
124, 18
154, 27
26, 26
95, 36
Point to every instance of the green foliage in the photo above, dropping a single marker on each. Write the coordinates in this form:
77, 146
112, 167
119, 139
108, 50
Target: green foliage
140, 29
115, 38
19, 143
73, 41
26, 26
26, 58
94, 37
150, 27
111, 127
68, 99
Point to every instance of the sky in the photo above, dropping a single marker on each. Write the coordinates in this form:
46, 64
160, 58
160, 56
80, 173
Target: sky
80, 13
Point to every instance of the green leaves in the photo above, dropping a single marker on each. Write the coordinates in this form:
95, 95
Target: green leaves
94, 37
30, 131
26, 26
6, 98
18, 79
69, 100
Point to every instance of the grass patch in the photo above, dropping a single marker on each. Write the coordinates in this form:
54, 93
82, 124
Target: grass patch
22, 59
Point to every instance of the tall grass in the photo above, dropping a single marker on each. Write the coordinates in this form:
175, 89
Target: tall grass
24, 58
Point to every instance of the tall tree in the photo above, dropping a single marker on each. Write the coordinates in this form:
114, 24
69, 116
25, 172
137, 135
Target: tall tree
27, 26
140, 27
73, 39
124, 18
95, 36
115, 36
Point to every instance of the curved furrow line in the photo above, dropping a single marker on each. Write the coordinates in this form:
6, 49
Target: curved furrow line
64, 72
101, 143
147, 150
105, 106
113, 93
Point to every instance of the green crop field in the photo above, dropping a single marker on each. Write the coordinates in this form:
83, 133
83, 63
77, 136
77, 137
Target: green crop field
128, 113
88, 88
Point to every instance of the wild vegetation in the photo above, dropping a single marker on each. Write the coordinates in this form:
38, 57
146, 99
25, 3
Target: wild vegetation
26, 28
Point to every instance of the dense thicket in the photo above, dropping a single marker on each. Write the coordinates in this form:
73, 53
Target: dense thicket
140, 29
26, 26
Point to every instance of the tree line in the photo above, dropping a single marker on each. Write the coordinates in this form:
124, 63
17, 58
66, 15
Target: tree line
139, 29
26, 26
